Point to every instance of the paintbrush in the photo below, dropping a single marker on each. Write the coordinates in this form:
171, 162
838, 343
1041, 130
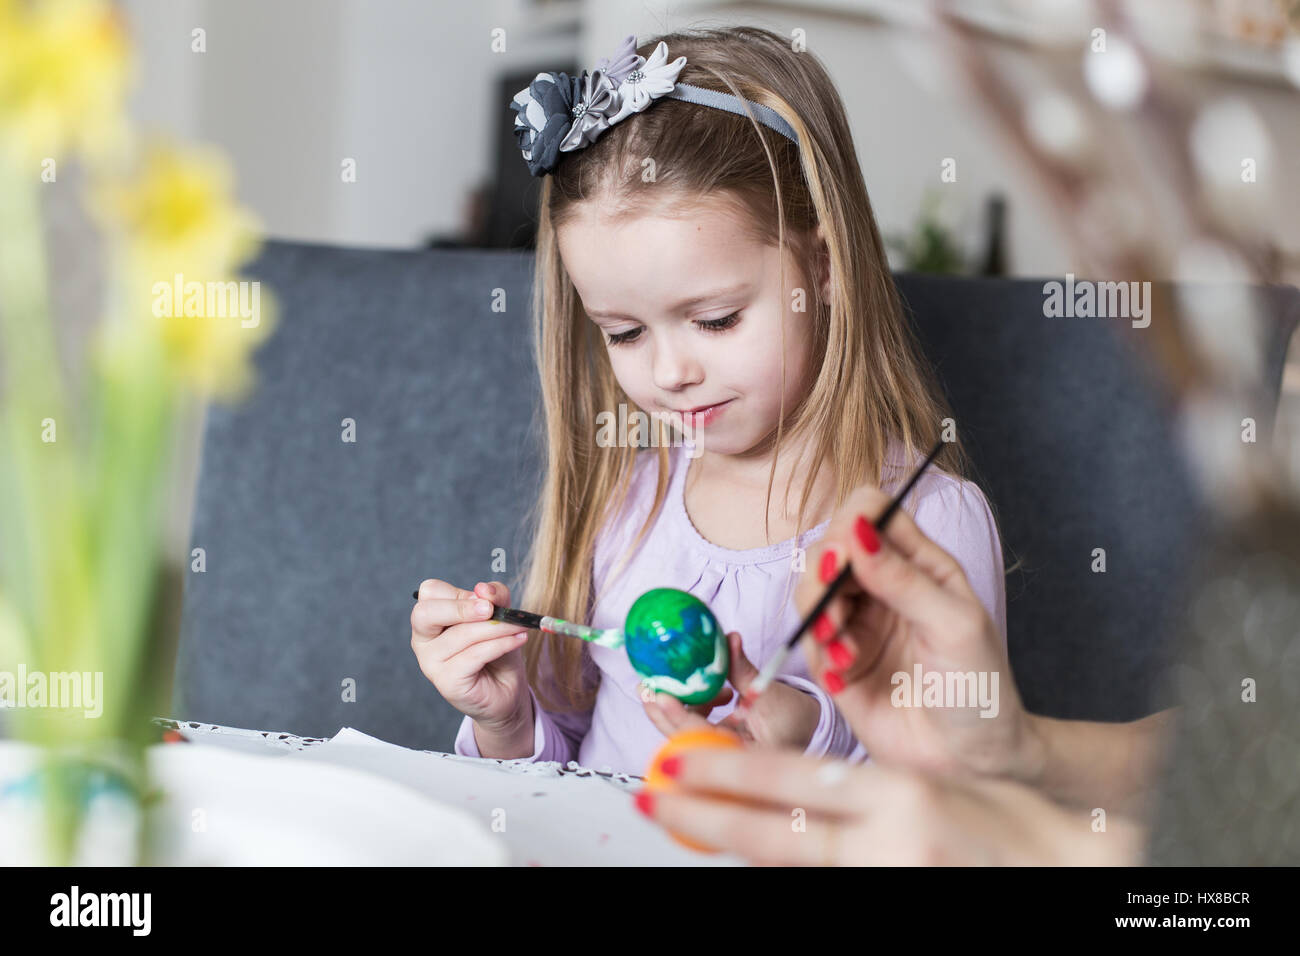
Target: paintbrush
605, 637
768, 673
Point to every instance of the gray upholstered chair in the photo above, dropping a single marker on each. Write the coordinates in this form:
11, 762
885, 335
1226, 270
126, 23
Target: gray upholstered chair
313, 544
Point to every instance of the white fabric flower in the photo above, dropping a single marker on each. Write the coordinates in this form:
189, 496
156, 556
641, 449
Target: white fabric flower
623, 62
647, 83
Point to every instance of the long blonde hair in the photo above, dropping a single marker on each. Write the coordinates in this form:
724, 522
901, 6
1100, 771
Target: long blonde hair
871, 386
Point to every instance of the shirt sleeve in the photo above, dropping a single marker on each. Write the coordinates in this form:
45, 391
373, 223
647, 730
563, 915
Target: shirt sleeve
956, 516
556, 736
833, 736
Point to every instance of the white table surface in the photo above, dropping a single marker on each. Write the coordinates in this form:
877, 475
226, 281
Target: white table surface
546, 815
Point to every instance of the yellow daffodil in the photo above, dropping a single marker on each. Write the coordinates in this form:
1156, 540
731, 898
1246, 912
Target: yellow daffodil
80, 508
64, 73
178, 240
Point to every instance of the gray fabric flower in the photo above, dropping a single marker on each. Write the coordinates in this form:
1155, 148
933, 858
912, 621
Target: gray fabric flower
557, 113
596, 101
543, 117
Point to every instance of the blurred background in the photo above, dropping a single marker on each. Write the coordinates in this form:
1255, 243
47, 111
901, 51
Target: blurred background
1126, 140
415, 93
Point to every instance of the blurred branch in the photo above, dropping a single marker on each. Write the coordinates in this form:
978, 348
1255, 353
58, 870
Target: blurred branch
1189, 357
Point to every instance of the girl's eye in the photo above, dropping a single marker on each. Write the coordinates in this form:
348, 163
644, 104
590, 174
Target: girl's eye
718, 325
708, 325
622, 337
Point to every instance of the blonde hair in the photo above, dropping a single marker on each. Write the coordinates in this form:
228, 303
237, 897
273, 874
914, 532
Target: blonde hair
870, 385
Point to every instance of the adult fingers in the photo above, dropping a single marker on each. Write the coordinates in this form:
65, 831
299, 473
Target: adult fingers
779, 777
857, 633
824, 645
904, 585
906, 537
760, 834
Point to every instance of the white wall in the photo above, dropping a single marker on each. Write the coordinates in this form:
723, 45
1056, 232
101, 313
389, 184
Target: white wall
406, 87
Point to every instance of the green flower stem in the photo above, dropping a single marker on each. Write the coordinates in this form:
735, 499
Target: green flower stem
80, 519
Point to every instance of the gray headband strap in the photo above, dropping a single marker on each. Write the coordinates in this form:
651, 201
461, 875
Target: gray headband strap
725, 101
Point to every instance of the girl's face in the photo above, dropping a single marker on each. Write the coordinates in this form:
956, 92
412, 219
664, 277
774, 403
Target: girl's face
692, 312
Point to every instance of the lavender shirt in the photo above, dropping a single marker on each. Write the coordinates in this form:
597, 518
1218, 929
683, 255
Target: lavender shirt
749, 591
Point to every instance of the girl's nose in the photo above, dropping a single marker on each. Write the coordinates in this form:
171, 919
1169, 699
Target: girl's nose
674, 366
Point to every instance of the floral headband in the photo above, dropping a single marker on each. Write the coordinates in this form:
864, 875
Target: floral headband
557, 113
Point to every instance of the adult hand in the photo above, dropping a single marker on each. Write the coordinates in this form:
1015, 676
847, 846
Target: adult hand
780, 808
908, 604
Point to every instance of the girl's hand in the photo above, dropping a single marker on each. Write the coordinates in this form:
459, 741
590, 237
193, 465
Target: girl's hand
908, 604
747, 802
783, 716
476, 663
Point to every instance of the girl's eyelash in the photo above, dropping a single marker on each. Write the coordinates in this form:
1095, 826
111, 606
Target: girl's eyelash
718, 325
708, 325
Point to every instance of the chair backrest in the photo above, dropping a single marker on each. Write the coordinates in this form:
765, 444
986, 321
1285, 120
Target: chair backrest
1074, 441
314, 542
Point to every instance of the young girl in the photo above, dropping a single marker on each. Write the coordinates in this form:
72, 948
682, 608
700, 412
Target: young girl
707, 257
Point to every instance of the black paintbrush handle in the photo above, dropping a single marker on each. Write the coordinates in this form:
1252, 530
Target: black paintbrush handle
847, 570
510, 615
820, 606
507, 615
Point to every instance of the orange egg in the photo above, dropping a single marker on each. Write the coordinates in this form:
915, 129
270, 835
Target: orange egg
656, 781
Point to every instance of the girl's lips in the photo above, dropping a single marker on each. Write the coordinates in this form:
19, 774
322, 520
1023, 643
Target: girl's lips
705, 415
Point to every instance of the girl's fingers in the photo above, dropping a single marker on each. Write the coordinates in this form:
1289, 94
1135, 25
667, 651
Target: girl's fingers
448, 612
455, 640
659, 718
494, 591
743, 670
483, 652
441, 606
737, 724
704, 710
670, 715
760, 834
433, 588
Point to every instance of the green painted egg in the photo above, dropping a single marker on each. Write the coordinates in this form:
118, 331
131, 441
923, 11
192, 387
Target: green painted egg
675, 644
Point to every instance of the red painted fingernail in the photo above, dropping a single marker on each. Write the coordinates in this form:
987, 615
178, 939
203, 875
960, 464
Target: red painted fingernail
645, 802
671, 766
866, 534
834, 682
841, 654
827, 570
823, 629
